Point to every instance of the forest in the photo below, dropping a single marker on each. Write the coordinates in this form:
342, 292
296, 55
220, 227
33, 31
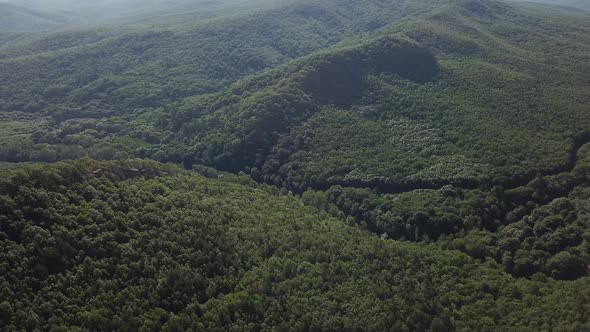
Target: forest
295, 165
137, 245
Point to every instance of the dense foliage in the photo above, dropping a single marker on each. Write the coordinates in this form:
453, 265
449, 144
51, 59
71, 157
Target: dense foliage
139, 246
476, 100
488, 113
541, 227
335, 165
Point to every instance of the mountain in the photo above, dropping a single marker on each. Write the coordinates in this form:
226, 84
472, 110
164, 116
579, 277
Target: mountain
19, 19
121, 11
496, 103
308, 165
92, 73
581, 4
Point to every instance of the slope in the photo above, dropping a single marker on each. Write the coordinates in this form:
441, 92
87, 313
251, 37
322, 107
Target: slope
139, 245
535, 230
503, 103
115, 76
176, 61
475, 103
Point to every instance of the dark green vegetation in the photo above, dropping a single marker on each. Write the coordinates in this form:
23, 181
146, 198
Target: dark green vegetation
542, 227
131, 245
370, 165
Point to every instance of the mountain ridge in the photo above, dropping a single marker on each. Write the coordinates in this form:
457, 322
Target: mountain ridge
332, 165
14, 18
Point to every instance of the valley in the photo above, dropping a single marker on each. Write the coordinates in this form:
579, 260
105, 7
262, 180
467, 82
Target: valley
295, 165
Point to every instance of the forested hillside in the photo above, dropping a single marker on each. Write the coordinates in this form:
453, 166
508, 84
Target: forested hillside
480, 106
304, 165
137, 245
490, 101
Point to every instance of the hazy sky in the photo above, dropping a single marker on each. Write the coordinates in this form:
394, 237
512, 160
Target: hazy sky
105, 5
97, 10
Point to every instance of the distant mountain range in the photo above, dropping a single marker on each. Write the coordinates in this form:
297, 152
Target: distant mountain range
37, 15
583, 4
20, 19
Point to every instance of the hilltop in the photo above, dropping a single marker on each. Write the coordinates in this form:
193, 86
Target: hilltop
481, 102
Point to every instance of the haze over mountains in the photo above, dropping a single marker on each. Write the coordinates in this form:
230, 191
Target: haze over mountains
400, 165
20, 19
583, 4
44, 15
40, 15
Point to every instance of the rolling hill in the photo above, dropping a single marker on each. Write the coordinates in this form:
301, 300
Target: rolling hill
496, 101
309, 165
139, 245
